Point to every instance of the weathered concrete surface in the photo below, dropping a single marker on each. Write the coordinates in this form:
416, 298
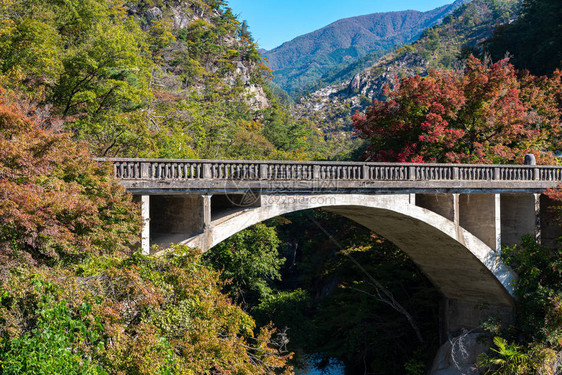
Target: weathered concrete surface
446, 205
176, 217
459, 316
458, 263
479, 213
519, 217
177, 186
550, 230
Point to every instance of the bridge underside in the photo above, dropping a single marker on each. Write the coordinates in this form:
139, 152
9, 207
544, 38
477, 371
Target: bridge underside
464, 264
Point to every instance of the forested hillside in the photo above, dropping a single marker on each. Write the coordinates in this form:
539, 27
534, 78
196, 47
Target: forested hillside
533, 41
149, 79
301, 62
441, 46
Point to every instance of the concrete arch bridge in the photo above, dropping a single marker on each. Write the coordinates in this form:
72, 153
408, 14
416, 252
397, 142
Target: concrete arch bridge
451, 219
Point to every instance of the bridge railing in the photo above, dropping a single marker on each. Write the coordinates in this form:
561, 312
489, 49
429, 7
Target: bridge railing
178, 169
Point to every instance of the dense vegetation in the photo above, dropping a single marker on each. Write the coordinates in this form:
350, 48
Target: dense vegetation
533, 344
73, 296
154, 79
533, 40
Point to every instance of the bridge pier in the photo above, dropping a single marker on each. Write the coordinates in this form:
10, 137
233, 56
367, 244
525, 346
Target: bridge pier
458, 316
461, 335
520, 215
145, 232
480, 214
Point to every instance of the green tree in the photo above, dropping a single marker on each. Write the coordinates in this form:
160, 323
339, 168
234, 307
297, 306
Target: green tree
534, 40
250, 262
531, 344
85, 61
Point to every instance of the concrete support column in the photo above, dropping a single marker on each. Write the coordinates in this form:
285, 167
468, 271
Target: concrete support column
497, 223
479, 213
549, 228
456, 201
206, 212
145, 233
207, 218
519, 216
413, 199
444, 204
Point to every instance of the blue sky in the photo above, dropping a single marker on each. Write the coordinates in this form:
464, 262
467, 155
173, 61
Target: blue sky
273, 22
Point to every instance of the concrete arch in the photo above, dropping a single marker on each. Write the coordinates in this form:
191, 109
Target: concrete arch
459, 264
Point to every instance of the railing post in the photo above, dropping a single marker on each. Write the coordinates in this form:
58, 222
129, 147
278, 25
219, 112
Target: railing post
207, 173
144, 170
497, 175
263, 171
536, 174
366, 172
455, 173
411, 172
316, 172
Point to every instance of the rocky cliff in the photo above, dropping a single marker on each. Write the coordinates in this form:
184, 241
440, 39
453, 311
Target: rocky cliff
203, 46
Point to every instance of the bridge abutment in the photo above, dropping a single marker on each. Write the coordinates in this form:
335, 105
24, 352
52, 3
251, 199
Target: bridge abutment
460, 316
173, 218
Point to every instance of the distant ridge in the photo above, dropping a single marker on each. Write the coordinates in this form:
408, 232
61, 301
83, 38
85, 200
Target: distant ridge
440, 47
303, 60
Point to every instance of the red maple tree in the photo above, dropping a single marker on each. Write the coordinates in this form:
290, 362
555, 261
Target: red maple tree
484, 113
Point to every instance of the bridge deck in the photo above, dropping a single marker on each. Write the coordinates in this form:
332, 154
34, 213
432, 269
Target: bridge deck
171, 176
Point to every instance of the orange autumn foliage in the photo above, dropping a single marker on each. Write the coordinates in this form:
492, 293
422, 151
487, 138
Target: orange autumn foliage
56, 203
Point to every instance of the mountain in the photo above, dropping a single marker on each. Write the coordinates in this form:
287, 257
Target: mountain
304, 59
441, 46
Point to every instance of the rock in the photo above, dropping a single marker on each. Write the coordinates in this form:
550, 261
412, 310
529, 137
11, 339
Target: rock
355, 83
558, 364
180, 18
256, 97
153, 14
459, 355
